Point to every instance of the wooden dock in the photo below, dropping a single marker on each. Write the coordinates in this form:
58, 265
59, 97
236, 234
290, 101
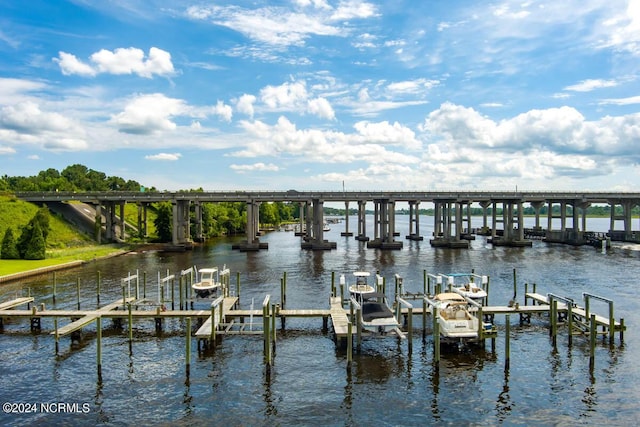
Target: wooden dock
89, 317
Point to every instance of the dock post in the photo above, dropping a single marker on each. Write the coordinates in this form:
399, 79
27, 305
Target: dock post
188, 357
436, 340
124, 298
410, 329
570, 323
359, 327
507, 342
212, 337
266, 332
424, 283
173, 293
486, 299
54, 287
284, 280
273, 327
341, 294
593, 329
180, 291
78, 291
349, 345
238, 285
515, 285
526, 291
612, 323
98, 346
99, 285
130, 329
554, 321
55, 327
333, 283
621, 330
144, 285
424, 319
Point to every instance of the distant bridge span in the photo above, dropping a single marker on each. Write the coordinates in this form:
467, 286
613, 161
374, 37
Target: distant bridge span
450, 219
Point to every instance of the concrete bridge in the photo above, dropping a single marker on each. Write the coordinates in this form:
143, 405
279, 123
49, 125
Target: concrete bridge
451, 218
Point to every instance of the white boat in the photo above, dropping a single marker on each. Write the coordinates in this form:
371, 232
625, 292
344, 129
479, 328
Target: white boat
360, 287
453, 316
376, 316
470, 288
209, 282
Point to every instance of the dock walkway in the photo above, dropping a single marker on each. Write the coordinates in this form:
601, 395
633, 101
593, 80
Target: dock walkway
89, 317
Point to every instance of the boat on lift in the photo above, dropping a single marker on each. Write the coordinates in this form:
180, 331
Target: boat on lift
454, 319
470, 288
209, 282
375, 314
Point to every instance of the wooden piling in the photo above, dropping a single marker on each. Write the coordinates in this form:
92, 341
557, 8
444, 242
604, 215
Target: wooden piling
238, 285
98, 346
54, 287
188, 356
180, 291
173, 293
55, 327
98, 285
436, 339
144, 285
621, 330
424, 319
130, 328
349, 345
78, 291
592, 342
507, 342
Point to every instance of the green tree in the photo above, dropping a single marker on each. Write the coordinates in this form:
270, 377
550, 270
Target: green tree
36, 248
9, 246
41, 219
163, 221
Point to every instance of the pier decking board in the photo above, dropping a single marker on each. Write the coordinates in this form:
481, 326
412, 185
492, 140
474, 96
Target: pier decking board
89, 317
205, 330
339, 318
15, 303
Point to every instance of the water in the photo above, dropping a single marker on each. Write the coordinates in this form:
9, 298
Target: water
309, 383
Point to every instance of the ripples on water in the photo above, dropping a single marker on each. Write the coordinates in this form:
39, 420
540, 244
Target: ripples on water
309, 383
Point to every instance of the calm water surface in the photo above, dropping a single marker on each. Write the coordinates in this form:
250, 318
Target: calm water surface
309, 383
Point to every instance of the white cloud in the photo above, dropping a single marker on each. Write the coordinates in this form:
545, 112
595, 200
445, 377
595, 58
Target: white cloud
149, 114
591, 84
417, 86
244, 104
225, 112
121, 61
172, 157
621, 101
6, 150
262, 167
280, 26
321, 108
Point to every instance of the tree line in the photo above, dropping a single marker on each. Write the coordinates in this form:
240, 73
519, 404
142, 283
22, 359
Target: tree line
218, 219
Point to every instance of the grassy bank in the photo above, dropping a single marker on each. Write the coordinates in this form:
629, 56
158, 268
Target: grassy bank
59, 257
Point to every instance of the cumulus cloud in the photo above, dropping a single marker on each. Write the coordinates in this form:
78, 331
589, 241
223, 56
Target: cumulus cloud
120, 61
225, 112
538, 144
244, 104
172, 157
293, 96
26, 122
149, 114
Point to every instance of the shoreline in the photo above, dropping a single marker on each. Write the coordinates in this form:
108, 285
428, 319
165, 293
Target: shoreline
57, 267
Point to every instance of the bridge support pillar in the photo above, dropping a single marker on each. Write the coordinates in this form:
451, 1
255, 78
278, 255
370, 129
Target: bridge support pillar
315, 239
384, 226
485, 230
181, 227
513, 225
627, 234
362, 221
414, 221
346, 231
252, 229
447, 225
97, 227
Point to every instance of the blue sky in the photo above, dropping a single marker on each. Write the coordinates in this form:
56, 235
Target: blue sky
321, 94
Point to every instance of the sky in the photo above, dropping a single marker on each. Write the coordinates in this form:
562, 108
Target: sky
326, 95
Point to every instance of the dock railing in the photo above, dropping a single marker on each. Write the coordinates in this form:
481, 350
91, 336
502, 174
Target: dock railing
587, 297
